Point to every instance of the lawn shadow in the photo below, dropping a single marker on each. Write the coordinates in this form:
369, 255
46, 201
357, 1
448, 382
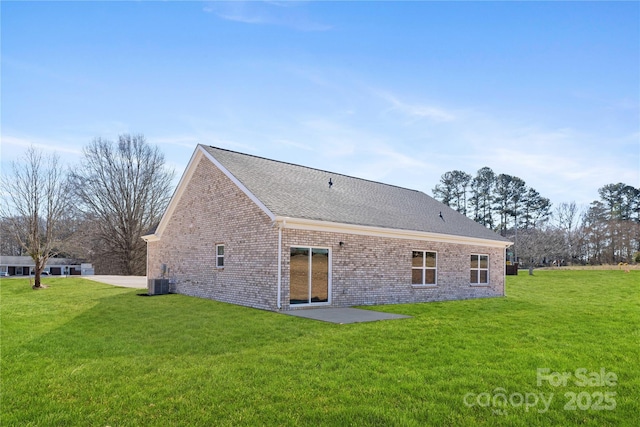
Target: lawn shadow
127, 324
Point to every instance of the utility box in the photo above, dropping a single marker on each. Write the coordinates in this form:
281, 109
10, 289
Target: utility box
158, 286
512, 270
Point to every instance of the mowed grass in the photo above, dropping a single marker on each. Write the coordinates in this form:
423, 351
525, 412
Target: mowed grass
81, 353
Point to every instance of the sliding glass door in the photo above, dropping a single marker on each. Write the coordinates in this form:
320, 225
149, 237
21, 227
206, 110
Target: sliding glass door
309, 276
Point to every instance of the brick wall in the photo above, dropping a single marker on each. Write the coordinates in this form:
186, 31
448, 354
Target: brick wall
213, 210
366, 270
371, 270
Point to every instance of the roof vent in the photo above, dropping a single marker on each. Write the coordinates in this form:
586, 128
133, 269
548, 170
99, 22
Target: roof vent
330, 183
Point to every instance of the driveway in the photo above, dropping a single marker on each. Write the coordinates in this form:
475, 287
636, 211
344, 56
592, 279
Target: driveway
139, 282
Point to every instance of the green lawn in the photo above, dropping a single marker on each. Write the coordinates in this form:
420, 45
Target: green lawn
86, 354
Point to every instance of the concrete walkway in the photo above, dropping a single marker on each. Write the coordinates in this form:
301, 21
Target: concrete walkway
138, 282
344, 315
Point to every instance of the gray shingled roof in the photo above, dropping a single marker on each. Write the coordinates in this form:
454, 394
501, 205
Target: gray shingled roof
295, 191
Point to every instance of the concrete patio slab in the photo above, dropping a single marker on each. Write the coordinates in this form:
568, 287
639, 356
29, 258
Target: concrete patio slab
138, 282
343, 315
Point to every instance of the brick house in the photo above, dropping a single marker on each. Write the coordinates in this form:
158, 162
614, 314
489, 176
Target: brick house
278, 236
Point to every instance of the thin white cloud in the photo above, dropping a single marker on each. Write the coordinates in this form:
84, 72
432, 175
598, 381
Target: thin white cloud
417, 111
399, 159
238, 14
563, 164
385, 163
286, 14
290, 143
330, 138
619, 104
344, 147
11, 145
186, 141
564, 178
13, 148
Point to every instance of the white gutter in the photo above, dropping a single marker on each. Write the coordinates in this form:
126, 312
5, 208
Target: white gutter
278, 297
150, 238
504, 274
366, 230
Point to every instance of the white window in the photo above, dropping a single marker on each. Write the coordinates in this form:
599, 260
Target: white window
479, 269
424, 268
219, 256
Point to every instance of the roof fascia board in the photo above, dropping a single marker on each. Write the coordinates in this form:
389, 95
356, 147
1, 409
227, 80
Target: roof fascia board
364, 230
239, 184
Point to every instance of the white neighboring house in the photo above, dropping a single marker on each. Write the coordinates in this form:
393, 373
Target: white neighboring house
24, 266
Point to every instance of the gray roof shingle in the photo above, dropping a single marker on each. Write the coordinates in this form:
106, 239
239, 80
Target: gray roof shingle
295, 191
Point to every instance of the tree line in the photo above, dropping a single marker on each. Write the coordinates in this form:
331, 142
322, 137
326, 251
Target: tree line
606, 232
95, 211
498, 201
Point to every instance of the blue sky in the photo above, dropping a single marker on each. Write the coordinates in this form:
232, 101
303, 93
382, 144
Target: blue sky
398, 92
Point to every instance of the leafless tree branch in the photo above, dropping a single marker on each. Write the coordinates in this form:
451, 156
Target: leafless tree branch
125, 186
36, 202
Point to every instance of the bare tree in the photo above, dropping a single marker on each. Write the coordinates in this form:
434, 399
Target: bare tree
541, 246
568, 217
125, 187
36, 197
8, 245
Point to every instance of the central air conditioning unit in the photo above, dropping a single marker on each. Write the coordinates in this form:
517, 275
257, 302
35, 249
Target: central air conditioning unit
158, 286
